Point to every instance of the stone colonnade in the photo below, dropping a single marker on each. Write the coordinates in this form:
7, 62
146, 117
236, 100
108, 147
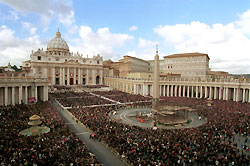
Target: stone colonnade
17, 91
211, 90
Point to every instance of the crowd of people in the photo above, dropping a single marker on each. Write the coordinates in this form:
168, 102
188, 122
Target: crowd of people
122, 97
210, 144
58, 147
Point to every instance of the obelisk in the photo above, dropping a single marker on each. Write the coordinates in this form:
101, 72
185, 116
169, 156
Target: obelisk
156, 92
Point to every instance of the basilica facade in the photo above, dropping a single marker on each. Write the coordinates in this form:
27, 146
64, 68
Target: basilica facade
62, 67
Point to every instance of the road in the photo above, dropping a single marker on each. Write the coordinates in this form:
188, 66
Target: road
102, 153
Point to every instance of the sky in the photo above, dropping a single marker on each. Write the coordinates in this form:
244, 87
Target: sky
114, 28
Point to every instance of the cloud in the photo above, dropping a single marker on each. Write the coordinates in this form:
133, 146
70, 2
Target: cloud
10, 16
142, 43
15, 50
224, 43
133, 28
28, 26
46, 9
101, 42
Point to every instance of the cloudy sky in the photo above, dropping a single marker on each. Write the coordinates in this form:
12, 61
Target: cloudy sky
114, 28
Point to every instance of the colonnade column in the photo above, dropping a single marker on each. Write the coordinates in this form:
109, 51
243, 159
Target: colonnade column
184, 91
215, 92
179, 91
188, 91
13, 96
20, 95
164, 90
197, 92
210, 92
192, 92
205, 91
175, 90
220, 93
201, 92
172, 90
224, 93
6, 96
227, 91
167, 90
26, 95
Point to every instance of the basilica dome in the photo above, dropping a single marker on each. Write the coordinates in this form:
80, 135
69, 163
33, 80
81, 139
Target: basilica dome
57, 43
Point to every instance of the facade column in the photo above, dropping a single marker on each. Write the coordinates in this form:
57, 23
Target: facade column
68, 81
179, 91
53, 76
234, 96
13, 96
184, 91
135, 90
244, 95
63, 77
101, 77
224, 93
93, 77
79, 76
20, 95
6, 96
45, 93
227, 91
87, 77
188, 91
74, 76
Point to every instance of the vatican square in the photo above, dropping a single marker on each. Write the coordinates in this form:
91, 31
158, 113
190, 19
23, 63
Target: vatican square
136, 83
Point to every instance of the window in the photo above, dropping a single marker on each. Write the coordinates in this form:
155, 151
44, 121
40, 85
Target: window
76, 60
65, 60
98, 62
57, 59
39, 58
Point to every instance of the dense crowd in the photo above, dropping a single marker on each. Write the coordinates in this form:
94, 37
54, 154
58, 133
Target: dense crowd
59, 147
122, 97
210, 144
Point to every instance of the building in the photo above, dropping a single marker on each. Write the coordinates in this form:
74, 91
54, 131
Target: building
18, 87
62, 67
186, 75
45, 69
187, 64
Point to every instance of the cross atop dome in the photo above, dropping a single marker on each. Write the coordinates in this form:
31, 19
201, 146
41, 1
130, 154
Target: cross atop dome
58, 34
